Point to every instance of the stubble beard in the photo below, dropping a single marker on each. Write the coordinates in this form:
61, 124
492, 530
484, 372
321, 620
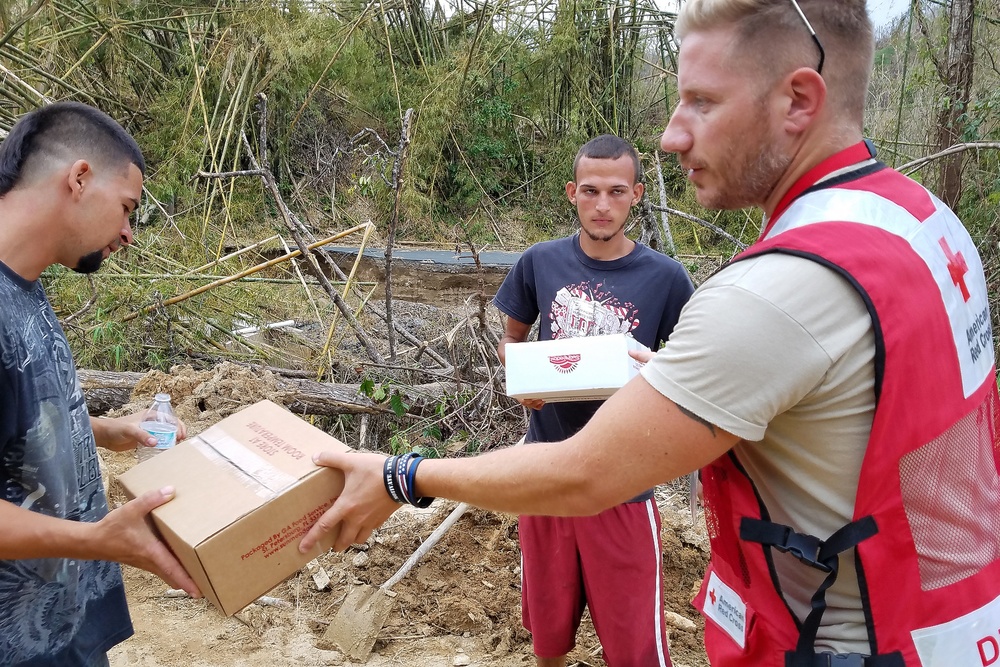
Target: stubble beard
753, 181
754, 177
607, 236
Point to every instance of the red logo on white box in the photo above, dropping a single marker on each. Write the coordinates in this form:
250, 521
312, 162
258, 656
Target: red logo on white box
565, 363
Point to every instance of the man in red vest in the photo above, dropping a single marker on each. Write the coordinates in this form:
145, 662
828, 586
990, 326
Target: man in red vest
835, 384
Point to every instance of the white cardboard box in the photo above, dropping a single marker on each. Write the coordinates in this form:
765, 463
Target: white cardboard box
571, 369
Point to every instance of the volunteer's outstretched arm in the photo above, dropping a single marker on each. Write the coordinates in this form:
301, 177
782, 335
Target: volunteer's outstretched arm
123, 536
636, 440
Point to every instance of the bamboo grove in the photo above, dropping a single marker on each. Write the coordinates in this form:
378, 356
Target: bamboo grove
502, 93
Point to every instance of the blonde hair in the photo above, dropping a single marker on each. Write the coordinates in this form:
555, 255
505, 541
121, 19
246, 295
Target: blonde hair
774, 40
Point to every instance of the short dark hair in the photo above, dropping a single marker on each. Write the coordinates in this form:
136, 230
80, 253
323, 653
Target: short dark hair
59, 130
608, 147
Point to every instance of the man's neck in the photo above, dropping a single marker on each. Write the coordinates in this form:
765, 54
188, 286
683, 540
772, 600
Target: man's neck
807, 157
614, 248
23, 246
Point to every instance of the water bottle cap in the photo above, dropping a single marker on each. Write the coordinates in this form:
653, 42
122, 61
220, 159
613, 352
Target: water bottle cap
163, 398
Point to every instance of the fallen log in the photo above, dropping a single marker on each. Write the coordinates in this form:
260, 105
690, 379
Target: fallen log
105, 391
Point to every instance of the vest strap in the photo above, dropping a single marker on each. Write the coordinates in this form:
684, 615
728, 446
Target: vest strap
793, 659
824, 555
806, 548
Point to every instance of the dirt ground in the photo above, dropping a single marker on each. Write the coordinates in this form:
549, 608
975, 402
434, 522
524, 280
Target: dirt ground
459, 606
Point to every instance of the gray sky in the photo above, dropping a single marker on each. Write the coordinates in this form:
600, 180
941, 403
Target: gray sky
883, 11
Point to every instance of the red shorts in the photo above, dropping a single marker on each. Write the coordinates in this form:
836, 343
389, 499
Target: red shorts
610, 562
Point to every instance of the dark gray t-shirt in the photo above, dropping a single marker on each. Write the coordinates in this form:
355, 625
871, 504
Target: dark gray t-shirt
641, 294
53, 611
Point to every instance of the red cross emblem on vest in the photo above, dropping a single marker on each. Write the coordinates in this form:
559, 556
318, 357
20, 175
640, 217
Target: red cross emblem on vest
956, 267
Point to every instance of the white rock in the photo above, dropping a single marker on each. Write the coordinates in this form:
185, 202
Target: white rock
460, 660
680, 622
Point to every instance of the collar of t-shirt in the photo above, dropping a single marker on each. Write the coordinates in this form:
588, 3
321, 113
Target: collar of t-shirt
605, 264
14, 277
855, 157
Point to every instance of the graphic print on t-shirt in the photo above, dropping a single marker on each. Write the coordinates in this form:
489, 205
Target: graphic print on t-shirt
586, 309
53, 608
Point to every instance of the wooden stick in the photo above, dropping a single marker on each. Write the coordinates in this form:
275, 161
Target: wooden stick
427, 545
349, 283
294, 226
241, 274
913, 166
705, 223
232, 254
397, 184
665, 227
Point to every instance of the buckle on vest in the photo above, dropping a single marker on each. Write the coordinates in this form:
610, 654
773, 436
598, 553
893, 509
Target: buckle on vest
827, 659
806, 549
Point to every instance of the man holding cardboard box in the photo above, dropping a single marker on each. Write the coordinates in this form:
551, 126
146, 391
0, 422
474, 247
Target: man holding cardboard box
596, 282
836, 384
70, 177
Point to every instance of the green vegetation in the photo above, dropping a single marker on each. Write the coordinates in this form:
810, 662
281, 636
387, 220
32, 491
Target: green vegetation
503, 94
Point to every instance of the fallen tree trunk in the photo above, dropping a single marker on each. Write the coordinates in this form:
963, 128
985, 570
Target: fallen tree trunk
105, 391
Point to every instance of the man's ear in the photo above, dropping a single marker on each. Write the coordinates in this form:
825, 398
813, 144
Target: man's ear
79, 176
571, 192
637, 191
806, 98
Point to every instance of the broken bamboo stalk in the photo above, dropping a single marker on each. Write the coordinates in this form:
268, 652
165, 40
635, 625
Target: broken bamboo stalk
241, 274
665, 221
397, 184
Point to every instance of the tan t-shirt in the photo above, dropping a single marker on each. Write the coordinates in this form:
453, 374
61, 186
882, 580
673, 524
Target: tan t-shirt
778, 350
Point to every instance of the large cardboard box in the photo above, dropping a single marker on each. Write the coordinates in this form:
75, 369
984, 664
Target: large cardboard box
571, 369
247, 490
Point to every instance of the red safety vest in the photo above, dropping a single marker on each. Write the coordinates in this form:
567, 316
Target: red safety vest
927, 514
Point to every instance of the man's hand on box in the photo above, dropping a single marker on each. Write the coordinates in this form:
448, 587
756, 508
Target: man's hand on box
642, 356
362, 506
121, 434
531, 403
125, 536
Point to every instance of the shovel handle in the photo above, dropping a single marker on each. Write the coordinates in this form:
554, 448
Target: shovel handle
431, 540
427, 545
693, 496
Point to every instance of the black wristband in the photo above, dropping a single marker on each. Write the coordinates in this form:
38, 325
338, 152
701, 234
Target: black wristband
399, 473
389, 479
411, 475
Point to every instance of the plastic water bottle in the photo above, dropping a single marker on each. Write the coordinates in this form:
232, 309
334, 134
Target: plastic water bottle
161, 423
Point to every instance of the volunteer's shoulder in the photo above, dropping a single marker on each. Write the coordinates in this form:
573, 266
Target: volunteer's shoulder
776, 288
775, 271
777, 320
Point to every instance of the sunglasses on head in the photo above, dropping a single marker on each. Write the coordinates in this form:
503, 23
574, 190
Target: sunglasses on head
822, 53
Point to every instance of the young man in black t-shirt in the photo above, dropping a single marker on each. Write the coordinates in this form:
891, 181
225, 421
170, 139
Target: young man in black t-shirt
70, 178
595, 282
